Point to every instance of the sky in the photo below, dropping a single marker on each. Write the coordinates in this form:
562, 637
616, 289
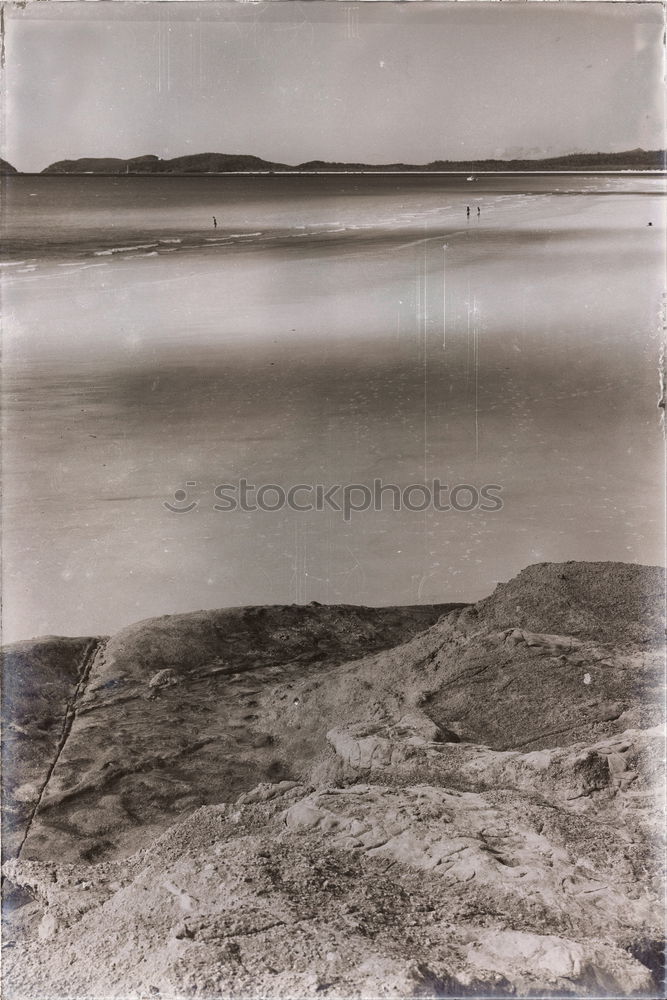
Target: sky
365, 82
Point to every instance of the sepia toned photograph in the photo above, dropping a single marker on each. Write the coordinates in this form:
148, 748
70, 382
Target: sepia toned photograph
333, 499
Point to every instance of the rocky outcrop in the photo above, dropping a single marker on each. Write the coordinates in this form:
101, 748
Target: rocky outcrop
41, 682
611, 602
364, 890
170, 717
509, 689
603, 777
279, 802
7, 168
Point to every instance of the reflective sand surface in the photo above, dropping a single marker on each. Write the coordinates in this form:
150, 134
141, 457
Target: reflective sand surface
330, 330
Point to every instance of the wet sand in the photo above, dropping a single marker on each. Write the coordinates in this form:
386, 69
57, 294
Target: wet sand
331, 339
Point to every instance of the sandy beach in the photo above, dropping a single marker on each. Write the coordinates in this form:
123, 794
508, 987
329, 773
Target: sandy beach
142, 354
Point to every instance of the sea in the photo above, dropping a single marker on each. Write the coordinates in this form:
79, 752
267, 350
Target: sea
326, 330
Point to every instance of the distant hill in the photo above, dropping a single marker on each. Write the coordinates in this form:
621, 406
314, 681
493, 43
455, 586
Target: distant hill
105, 165
7, 168
197, 163
220, 163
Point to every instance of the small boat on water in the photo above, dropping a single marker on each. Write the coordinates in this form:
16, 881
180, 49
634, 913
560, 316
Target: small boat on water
471, 178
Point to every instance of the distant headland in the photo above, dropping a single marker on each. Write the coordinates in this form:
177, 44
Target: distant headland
223, 163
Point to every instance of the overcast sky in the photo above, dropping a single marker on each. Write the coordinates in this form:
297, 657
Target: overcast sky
297, 81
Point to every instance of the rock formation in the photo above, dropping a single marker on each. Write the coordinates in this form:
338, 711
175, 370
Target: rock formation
306, 801
113, 736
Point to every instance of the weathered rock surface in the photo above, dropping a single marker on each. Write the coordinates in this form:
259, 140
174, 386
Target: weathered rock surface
460, 801
170, 716
367, 890
620, 772
40, 682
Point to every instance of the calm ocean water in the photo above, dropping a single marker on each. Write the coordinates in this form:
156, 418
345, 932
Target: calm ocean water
329, 330
51, 215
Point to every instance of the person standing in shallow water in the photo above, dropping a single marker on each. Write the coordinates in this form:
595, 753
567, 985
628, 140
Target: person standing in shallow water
215, 222
479, 211
468, 211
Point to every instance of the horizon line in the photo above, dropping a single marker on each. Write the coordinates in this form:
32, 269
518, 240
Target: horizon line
312, 173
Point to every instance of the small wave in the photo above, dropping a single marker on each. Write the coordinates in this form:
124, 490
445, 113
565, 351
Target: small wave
171, 241
141, 246
12, 263
78, 265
